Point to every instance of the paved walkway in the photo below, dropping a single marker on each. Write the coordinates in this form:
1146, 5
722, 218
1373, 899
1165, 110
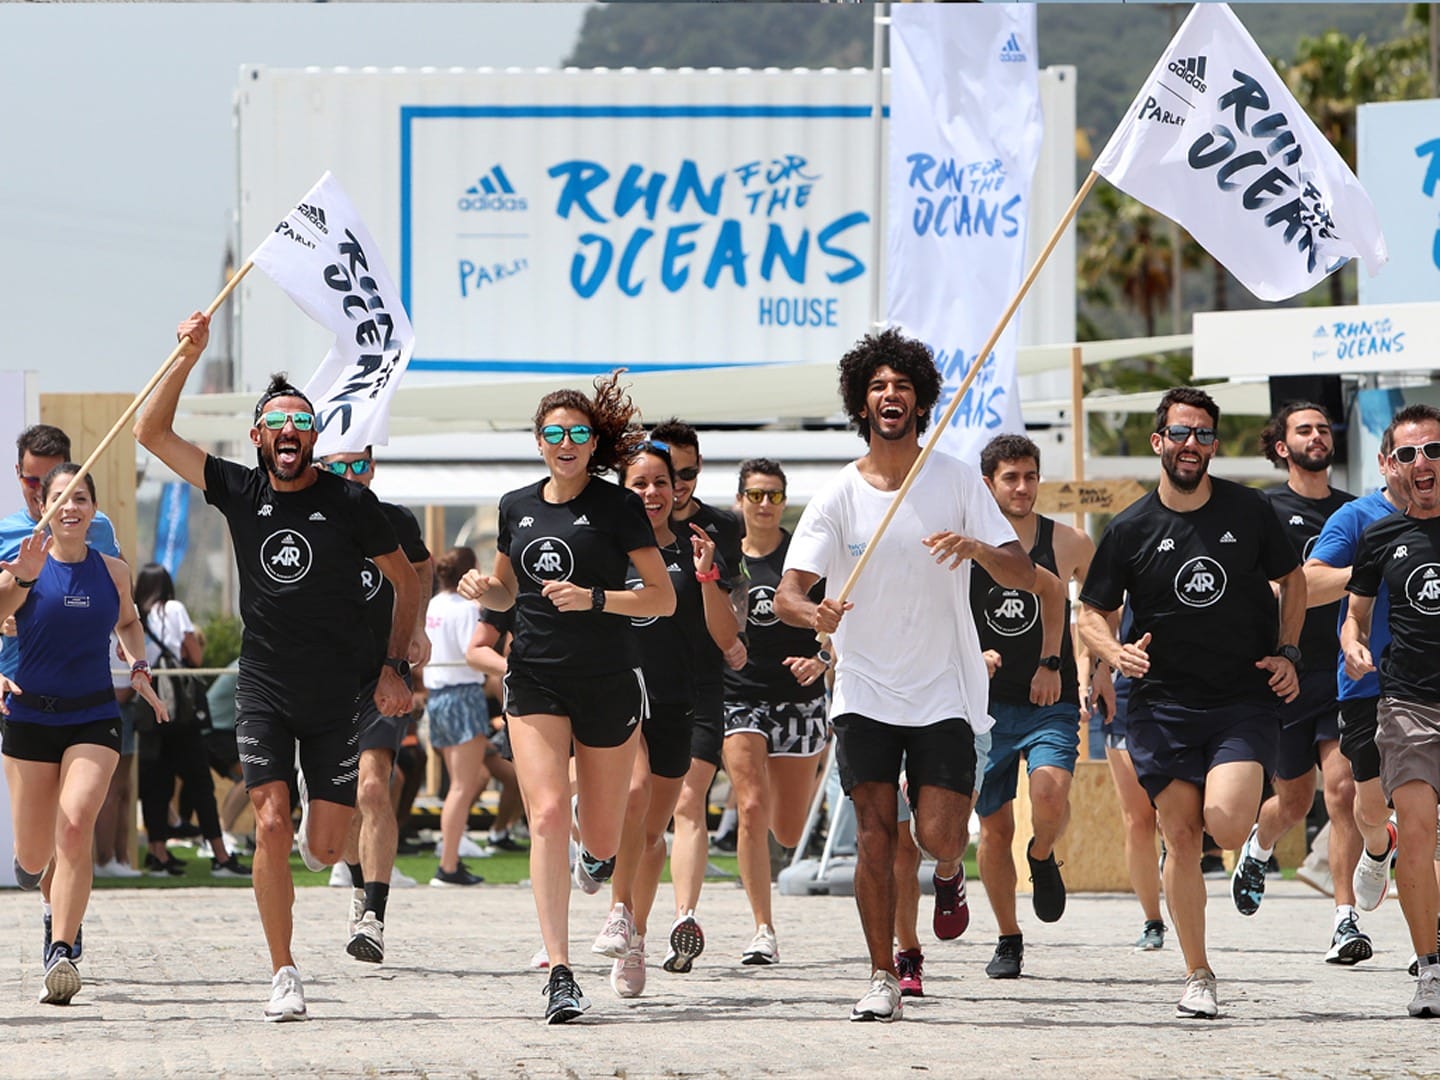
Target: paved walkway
176, 981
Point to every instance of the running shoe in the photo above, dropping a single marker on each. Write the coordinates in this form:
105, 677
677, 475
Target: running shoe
627, 974
541, 960
116, 869
1372, 875
1198, 1002
591, 873
1318, 878
62, 978
687, 942
952, 909
881, 1002
763, 949
1152, 938
357, 910
1349, 945
1009, 958
506, 842
401, 880
230, 868
170, 865
287, 997
725, 843
617, 937
1426, 1001
468, 849
1414, 968
1212, 868
77, 947
340, 876
1247, 884
367, 941
302, 840
25, 879
566, 1002
910, 963
460, 877
1048, 896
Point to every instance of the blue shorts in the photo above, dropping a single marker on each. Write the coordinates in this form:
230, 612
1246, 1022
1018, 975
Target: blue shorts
1168, 741
1305, 723
458, 714
1045, 735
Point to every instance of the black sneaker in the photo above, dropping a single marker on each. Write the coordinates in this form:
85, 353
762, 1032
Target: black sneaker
459, 877
1247, 885
77, 949
62, 980
725, 842
157, 867
1009, 958
507, 843
1212, 868
1049, 893
566, 1000
230, 868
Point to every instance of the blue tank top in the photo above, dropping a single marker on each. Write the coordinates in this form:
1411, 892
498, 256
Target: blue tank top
63, 629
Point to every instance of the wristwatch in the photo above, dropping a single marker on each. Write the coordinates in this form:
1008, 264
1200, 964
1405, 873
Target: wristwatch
1049, 663
1291, 653
400, 664
597, 599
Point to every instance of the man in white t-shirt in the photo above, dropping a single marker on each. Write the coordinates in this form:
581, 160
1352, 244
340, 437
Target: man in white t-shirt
910, 680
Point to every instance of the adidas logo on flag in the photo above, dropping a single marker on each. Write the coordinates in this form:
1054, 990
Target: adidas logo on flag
492, 191
315, 215
1191, 70
1011, 52
1228, 538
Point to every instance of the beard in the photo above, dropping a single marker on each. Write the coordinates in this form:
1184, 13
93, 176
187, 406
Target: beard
266, 456
1313, 463
1168, 461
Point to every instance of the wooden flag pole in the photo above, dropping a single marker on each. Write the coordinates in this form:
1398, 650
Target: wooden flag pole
134, 406
979, 361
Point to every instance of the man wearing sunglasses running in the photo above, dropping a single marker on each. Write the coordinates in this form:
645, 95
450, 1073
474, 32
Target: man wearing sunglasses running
301, 537
1197, 557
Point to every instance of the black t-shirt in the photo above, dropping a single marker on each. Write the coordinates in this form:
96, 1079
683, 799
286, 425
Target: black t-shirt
770, 641
1199, 582
299, 556
724, 528
585, 541
375, 586
669, 646
1009, 622
1404, 553
1302, 519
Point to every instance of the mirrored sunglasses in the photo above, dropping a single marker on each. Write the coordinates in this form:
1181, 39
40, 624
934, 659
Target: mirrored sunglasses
359, 468
554, 434
1178, 433
275, 420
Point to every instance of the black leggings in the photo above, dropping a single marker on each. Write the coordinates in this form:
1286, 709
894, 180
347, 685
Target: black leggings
176, 751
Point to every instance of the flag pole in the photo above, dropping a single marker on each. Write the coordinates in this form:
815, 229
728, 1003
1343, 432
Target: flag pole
979, 361
134, 406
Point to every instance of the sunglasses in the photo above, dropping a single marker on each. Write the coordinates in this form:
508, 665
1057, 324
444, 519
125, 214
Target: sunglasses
554, 434
1407, 455
275, 420
688, 474
32, 482
359, 468
759, 495
1178, 433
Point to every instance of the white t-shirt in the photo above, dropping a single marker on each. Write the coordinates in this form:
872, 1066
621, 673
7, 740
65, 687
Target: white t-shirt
169, 622
450, 622
908, 653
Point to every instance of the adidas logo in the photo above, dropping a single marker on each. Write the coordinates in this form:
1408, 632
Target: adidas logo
492, 191
1228, 538
1011, 52
581, 520
1190, 70
315, 215
673, 568
317, 516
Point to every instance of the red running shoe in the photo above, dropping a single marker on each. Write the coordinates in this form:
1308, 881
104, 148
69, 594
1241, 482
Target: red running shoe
909, 964
952, 910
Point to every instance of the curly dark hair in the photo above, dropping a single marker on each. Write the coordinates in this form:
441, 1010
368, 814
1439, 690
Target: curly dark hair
760, 466
1186, 395
1278, 426
612, 418
889, 348
1006, 448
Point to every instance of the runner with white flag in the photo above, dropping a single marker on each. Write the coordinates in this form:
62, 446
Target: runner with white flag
1215, 141
324, 257
965, 132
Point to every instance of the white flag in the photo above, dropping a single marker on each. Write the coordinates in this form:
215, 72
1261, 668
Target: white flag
1215, 141
324, 257
965, 135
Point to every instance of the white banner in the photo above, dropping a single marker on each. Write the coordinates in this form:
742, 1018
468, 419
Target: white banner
1215, 141
324, 258
965, 134
1398, 158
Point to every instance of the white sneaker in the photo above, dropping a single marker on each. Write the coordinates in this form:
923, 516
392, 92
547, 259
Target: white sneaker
881, 1002
1372, 876
119, 869
627, 974
367, 940
240, 845
302, 841
469, 849
1198, 1002
340, 876
541, 960
763, 949
287, 997
400, 880
357, 910
618, 936
1317, 877
1426, 1001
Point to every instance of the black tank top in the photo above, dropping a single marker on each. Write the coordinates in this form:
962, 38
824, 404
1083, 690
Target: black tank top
1009, 622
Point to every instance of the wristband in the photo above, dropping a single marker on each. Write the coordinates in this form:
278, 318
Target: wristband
713, 574
140, 667
25, 583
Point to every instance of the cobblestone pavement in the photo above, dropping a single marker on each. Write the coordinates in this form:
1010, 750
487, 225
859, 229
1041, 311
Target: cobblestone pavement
176, 982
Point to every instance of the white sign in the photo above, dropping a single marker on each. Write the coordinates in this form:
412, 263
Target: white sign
1316, 341
1399, 162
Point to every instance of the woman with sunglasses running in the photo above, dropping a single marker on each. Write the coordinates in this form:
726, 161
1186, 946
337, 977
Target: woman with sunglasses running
62, 725
565, 545
669, 647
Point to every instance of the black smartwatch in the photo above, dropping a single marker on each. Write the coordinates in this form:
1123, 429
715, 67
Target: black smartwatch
1291, 653
1050, 663
597, 599
400, 664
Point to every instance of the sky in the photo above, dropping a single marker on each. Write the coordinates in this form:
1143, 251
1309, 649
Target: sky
117, 159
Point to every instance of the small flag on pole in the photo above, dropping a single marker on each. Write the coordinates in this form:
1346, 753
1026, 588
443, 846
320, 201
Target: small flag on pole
1215, 141
324, 257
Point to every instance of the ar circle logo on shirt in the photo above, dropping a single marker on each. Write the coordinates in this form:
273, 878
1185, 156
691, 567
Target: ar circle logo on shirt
1422, 589
1010, 612
762, 606
547, 558
1200, 582
285, 556
635, 584
371, 579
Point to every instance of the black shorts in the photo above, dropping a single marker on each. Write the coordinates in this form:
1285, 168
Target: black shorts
1305, 723
378, 731
1357, 737
329, 756
603, 710
48, 742
667, 738
937, 755
707, 732
1168, 741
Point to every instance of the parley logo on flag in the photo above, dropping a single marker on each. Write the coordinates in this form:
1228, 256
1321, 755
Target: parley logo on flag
964, 140
324, 257
1215, 141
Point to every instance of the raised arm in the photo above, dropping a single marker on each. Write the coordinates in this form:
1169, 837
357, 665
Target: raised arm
155, 426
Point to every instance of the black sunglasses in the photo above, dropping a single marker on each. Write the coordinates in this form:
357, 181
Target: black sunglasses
1406, 455
359, 468
1178, 433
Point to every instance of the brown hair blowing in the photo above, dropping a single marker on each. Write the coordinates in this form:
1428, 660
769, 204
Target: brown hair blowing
612, 417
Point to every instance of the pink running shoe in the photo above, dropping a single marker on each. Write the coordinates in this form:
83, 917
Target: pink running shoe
909, 963
952, 910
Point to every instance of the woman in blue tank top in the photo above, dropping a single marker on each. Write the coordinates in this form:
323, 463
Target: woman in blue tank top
61, 718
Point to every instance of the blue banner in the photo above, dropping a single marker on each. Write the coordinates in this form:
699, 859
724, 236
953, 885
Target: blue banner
172, 526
